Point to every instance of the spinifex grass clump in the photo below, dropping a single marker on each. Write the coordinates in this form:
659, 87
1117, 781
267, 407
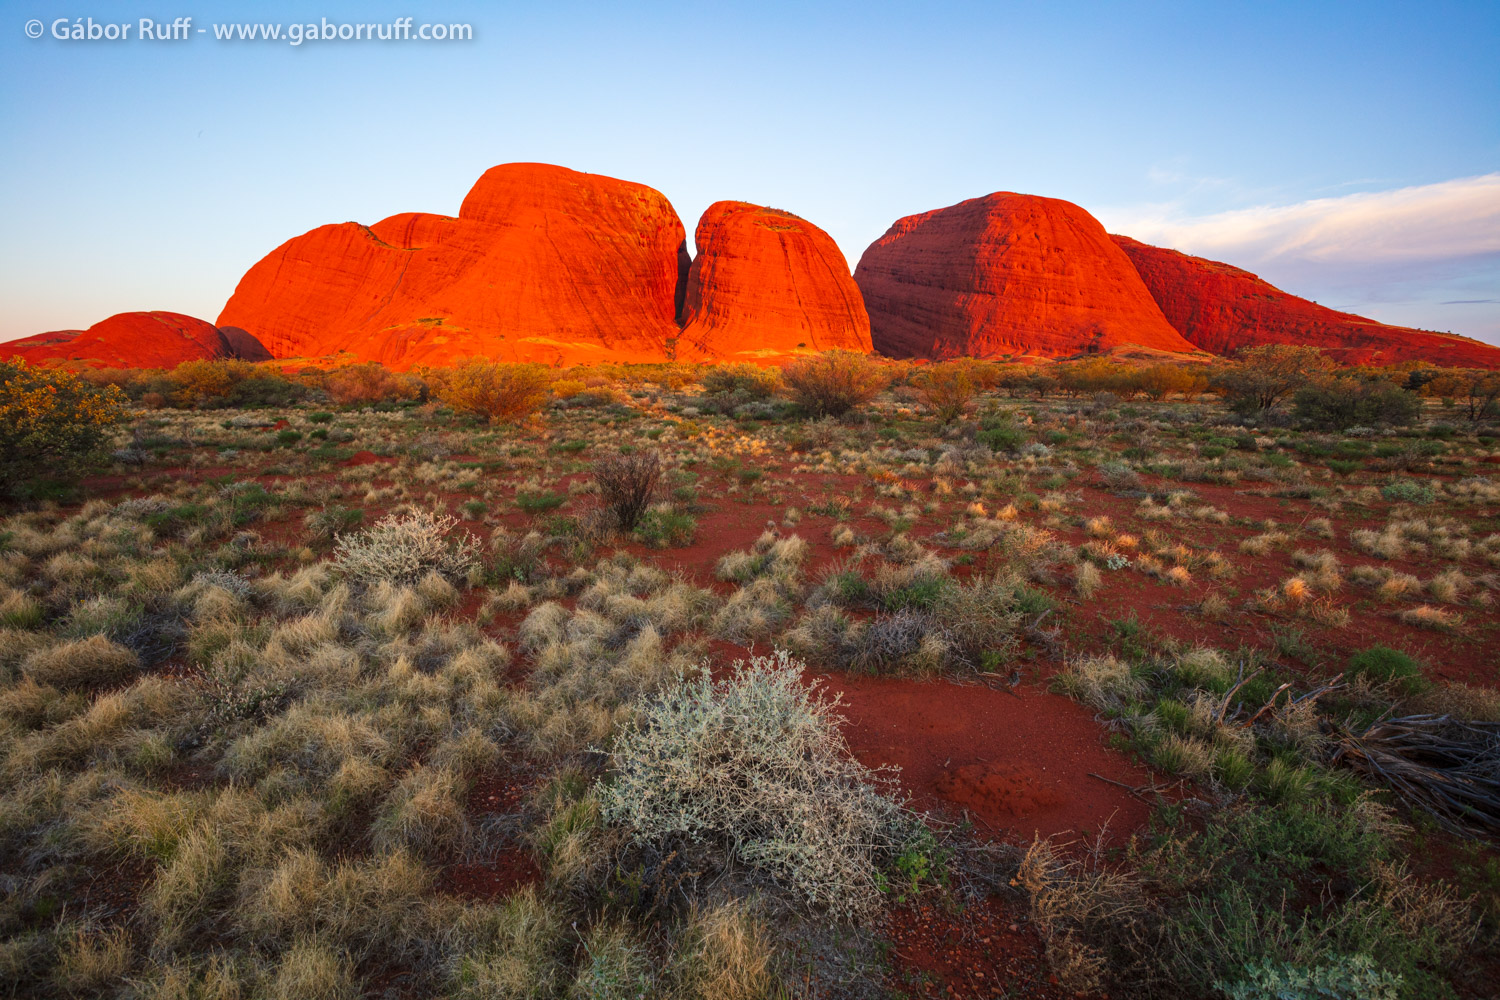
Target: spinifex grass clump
754, 765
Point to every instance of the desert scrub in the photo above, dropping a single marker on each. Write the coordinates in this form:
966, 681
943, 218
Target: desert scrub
592, 666
662, 527
1218, 903
754, 765
404, 548
834, 382
1340, 976
771, 555
327, 524
741, 381
947, 389
1382, 665
926, 621
1101, 682
628, 485
86, 663
51, 421
495, 391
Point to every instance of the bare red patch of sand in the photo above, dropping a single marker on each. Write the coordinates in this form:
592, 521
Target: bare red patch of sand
1018, 766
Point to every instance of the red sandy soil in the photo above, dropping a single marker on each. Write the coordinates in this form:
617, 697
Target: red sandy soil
492, 878
983, 951
1017, 764
115, 890
509, 867
1464, 655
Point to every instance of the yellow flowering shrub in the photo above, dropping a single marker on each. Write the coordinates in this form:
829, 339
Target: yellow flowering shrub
51, 421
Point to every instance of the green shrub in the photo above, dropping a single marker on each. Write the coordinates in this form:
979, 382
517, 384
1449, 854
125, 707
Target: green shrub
1389, 666
1343, 977
833, 383
922, 594
539, 503
666, 529
1345, 401
1408, 491
999, 434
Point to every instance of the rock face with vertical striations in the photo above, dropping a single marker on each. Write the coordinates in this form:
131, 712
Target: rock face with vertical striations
136, 340
1222, 309
767, 284
542, 264
1006, 274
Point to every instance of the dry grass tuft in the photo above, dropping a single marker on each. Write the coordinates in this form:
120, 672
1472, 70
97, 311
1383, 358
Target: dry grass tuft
1100, 681
1086, 579
94, 662
1071, 897
726, 954
1426, 616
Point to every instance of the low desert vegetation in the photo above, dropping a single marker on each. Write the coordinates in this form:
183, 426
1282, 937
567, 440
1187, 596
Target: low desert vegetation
510, 681
51, 422
833, 383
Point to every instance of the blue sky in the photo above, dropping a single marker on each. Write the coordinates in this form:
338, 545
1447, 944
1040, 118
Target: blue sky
1346, 151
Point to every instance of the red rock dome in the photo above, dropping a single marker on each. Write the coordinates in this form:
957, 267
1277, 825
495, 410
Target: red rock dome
768, 284
132, 340
1221, 308
1006, 274
542, 263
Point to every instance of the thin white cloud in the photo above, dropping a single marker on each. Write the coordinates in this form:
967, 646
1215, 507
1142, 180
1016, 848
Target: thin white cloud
1449, 220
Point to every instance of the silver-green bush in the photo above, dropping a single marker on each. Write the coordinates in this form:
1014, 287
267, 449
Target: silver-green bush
405, 548
755, 765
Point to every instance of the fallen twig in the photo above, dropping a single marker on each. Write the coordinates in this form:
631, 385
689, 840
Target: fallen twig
1446, 767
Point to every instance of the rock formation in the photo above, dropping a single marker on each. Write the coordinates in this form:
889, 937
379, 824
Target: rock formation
1221, 308
542, 263
767, 284
1006, 274
137, 340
